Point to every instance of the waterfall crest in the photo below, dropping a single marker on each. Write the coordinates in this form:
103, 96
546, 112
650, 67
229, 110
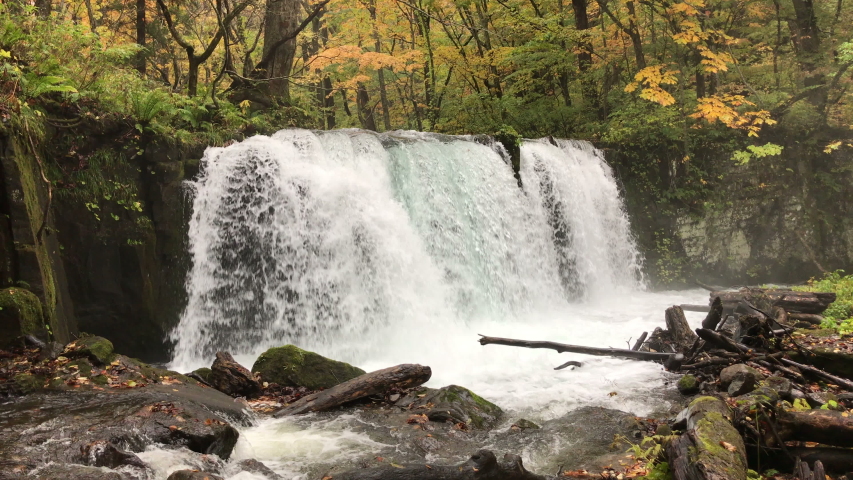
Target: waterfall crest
320, 238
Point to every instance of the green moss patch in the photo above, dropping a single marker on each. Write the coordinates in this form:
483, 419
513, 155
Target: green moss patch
98, 349
20, 312
293, 367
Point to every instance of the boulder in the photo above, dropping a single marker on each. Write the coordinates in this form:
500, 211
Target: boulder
231, 378
455, 404
688, 385
97, 349
782, 386
193, 475
102, 453
20, 314
728, 374
291, 366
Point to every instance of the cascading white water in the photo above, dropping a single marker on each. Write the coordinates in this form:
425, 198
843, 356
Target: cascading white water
321, 238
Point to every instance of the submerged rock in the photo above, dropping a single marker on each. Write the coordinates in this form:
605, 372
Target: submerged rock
291, 366
455, 404
231, 378
253, 466
193, 475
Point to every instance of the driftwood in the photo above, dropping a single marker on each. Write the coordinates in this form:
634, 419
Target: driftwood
562, 347
823, 426
791, 301
694, 308
721, 341
639, 342
373, 383
679, 330
483, 465
838, 460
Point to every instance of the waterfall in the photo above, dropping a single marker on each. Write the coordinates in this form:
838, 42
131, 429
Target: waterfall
321, 238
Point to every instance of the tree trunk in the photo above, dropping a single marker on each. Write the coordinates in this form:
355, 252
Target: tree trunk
823, 426
282, 18
365, 113
140, 35
679, 330
585, 53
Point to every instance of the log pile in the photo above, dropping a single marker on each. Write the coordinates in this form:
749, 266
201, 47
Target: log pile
776, 400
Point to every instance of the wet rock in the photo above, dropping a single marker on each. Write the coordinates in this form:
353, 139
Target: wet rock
203, 373
688, 385
97, 349
253, 466
455, 404
77, 472
193, 475
524, 424
104, 454
782, 386
28, 383
741, 384
58, 426
728, 374
762, 395
231, 378
291, 366
428, 444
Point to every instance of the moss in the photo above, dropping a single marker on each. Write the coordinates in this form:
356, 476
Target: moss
204, 373
715, 437
84, 367
688, 385
97, 348
100, 380
291, 366
22, 308
29, 383
465, 405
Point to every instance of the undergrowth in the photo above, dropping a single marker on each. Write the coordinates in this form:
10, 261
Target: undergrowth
839, 315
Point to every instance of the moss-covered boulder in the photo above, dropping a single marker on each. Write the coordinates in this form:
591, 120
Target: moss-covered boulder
455, 404
688, 385
20, 314
293, 367
28, 383
98, 349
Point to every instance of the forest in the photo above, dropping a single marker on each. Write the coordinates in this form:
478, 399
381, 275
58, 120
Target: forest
641, 72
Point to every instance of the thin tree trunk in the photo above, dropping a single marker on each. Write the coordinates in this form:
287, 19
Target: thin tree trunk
140, 34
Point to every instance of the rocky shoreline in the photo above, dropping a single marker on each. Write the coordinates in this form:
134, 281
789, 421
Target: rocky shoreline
82, 411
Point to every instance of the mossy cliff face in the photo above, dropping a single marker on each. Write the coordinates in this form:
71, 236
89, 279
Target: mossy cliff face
32, 258
291, 366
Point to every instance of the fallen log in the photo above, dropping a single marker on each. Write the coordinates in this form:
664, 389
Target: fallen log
710, 448
820, 373
639, 342
791, 301
402, 376
679, 330
721, 341
694, 308
822, 426
483, 465
562, 347
812, 318
803, 472
837, 460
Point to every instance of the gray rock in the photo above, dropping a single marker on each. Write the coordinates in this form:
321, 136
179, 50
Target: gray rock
231, 378
781, 385
728, 374
741, 384
104, 454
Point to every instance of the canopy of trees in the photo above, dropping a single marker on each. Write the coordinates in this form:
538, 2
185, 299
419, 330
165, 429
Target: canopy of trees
614, 70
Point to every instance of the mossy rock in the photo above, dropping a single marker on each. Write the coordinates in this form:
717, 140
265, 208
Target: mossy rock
98, 349
720, 451
458, 405
29, 383
203, 373
688, 385
20, 313
293, 367
84, 367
